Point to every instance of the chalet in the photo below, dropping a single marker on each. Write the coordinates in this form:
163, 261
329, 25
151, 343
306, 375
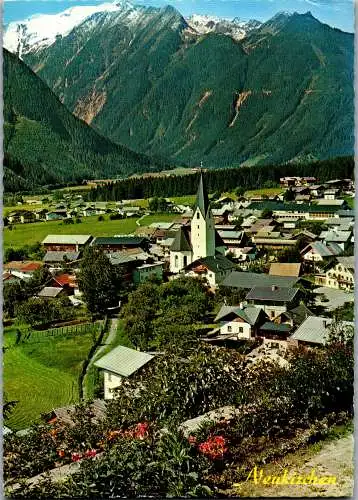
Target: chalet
341, 238
296, 181
22, 269
315, 330
234, 240
339, 274
147, 271
318, 252
331, 194
273, 300
247, 280
111, 244
58, 214
237, 322
120, 363
274, 331
285, 269
295, 316
66, 281
90, 211
340, 223
214, 269
66, 242
55, 260
274, 240
21, 216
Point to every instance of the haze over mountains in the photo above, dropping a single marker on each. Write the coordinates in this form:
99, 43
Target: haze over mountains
225, 92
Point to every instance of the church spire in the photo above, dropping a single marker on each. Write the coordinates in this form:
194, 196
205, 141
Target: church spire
202, 199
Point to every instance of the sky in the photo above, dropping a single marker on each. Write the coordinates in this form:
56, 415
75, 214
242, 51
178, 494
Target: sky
337, 13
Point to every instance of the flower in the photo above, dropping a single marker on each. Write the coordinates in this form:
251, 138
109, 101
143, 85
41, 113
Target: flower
61, 453
141, 430
192, 439
75, 457
214, 447
90, 453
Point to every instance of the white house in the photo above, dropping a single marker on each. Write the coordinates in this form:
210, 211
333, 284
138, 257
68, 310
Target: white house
121, 362
341, 274
237, 322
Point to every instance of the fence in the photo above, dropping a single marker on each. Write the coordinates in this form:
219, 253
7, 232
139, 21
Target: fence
34, 336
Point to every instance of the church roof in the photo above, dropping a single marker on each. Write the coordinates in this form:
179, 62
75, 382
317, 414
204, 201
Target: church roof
181, 242
202, 199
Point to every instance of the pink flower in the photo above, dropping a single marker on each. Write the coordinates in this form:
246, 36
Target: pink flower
90, 453
75, 457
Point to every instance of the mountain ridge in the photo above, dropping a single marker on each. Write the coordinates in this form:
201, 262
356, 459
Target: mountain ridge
282, 93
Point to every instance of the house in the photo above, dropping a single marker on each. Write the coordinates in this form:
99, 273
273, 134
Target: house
331, 194
340, 274
247, 280
318, 252
201, 241
66, 242
21, 216
340, 223
214, 269
58, 214
245, 254
237, 322
54, 260
234, 241
274, 241
146, 271
91, 211
273, 300
22, 269
294, 316
274, 331
111, 244
315, 330
66, 281
285, 269
51, 292
9, 278
121, 362
341, 238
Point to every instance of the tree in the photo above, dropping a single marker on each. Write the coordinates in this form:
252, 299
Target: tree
13, 293
99, 281
290, 254
289, 195
266, 213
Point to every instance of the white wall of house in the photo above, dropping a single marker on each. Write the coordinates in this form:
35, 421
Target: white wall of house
339, 277
240, 328
312, 256
111, 381
178, 260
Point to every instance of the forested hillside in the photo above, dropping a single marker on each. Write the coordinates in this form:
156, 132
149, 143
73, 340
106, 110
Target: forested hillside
144, 79
221, 180
45, 144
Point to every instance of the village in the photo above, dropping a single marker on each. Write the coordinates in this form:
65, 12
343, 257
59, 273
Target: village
283, 264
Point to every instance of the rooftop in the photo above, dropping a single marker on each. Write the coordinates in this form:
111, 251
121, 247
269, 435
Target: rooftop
123, 361
50, 291
119, 240
248, 314
285, 269
60, 256
67, 239
315, 330
248, 280
273, 293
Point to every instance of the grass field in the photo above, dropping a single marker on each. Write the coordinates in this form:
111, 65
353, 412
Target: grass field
149, 219
27, 234
42, 376
264, 191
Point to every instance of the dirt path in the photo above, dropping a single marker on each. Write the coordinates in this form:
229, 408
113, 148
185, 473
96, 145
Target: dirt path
335, 458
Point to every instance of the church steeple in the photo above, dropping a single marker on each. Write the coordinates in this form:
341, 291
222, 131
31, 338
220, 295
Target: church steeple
202, 225
202, 199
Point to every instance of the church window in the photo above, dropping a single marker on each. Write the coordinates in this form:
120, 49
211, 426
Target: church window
176, 261
185, 260
198, 227
197, 215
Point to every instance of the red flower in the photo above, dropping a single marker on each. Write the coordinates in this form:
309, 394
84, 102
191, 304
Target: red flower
141, 430
90, 453
75, 457
214, 447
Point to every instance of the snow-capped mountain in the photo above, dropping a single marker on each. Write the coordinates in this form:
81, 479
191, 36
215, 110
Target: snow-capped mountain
41, 30
236, 28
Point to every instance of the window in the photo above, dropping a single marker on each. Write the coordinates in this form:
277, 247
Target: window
241, 329
229, 329
198, 227
198, 215
109, 377
185, 260
272, 314
176, 261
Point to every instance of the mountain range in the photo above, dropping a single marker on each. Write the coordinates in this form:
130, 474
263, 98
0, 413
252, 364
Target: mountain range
45, 144
224, 92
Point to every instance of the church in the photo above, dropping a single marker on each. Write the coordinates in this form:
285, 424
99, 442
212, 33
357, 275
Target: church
199, 250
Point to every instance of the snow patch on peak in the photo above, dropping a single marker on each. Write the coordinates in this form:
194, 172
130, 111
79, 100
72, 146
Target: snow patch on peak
41, 30
236, 28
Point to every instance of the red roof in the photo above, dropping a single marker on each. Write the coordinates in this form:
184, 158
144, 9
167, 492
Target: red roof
23, 266
66, 279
